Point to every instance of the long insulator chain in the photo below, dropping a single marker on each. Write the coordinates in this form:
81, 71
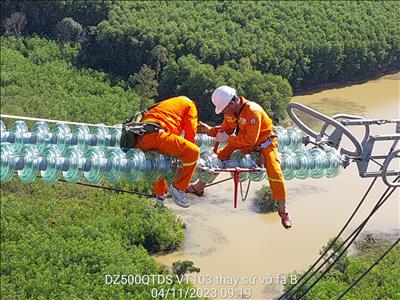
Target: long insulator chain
84, 136
96, 163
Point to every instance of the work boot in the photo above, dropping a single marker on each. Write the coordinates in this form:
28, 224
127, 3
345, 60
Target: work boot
285, 219
159, 200
179, 197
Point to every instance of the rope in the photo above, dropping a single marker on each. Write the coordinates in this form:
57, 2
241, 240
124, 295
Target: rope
133, 192
211, 184
247, 191
113, 189
367, 271
129, 191
354, 235
289, 291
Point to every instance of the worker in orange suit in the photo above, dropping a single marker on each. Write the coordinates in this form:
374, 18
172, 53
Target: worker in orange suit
247, 127
174, 115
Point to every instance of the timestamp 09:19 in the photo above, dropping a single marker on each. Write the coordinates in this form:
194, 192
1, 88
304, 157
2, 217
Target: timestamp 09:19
194, 292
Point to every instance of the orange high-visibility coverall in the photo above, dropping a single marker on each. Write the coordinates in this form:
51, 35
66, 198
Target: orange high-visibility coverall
255, 127
174, 115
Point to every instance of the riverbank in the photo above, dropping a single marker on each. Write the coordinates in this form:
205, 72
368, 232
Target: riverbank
241, 242
323, 87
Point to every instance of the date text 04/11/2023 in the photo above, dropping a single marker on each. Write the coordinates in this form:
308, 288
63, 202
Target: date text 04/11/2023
194, 292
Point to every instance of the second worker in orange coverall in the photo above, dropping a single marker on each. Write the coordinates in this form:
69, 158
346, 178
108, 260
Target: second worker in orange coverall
247, 127
174, 115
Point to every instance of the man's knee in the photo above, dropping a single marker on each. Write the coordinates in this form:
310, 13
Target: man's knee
191, 152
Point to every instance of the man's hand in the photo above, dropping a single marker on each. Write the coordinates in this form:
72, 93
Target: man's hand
203, 128
222, 137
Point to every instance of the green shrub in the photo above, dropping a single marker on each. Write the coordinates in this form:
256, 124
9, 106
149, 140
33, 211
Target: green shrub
381, 282
59, 241
264, 201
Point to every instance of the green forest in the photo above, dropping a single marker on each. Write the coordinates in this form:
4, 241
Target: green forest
382, 282
100, 61
60, 241
165, 48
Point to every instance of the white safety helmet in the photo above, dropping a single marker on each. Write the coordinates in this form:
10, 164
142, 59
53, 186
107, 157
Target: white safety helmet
221, 97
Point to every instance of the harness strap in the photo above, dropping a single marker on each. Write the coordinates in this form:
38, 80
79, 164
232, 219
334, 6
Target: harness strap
139, 115
142, 127
266, 143
237, 119
154, 121
132, 131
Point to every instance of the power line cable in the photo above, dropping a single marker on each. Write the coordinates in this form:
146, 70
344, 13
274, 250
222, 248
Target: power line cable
354, 235
289, 291
350, 239
132, 192
367, 271
299, 283
335, 239
357, 230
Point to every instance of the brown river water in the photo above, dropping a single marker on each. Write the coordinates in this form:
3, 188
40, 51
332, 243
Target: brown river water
252, 248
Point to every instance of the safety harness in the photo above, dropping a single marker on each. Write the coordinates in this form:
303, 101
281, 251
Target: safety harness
264, 144
236, 132
133, 129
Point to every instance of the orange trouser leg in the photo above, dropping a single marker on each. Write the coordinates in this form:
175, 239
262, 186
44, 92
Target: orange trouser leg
274, 172
160, 187
171, 144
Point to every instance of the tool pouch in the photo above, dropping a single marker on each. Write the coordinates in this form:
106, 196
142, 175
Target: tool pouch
132, 131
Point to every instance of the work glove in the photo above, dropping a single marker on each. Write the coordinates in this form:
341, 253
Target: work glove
222, 137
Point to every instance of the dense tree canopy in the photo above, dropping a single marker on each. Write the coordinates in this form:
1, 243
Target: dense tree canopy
37, 80
99, 61
308, 43
60, 241
213, 42
43, 16
188, 76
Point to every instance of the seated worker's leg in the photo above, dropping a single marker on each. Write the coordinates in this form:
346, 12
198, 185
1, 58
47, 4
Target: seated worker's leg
149, 142
160, 187
276, 181
166, 143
